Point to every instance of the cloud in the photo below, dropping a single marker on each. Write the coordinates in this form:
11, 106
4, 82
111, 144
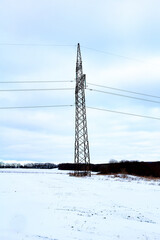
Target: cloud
67, 21
35, 146
127, 73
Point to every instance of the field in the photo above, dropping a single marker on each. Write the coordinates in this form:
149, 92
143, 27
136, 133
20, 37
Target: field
50, 205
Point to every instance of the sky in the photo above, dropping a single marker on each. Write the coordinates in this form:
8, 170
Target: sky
120, 49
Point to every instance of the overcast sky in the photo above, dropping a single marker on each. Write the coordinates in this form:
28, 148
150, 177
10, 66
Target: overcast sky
126, 35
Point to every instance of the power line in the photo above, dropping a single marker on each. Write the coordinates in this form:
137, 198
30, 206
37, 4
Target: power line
36, 44
68, 45
114, 54
124, 113
71, 105
37, 81
121, 56
122, 90
42, 89
70, 81
71, 45
121, 95
51, 106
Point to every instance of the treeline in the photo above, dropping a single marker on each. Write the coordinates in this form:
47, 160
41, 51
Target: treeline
146, 169
28, 165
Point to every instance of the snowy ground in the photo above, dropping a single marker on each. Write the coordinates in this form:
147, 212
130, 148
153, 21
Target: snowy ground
50, 205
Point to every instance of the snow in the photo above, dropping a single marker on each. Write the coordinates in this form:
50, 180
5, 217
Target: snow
51, 205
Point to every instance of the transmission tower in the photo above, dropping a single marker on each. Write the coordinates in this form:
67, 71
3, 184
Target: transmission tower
81, 155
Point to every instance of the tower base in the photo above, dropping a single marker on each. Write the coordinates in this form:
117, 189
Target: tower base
80, 174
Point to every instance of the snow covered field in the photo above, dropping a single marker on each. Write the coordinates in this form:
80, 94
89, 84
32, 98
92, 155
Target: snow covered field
50, 205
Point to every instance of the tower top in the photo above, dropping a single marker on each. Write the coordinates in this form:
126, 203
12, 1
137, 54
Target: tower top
79, 70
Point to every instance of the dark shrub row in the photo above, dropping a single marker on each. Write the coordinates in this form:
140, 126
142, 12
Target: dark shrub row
148, 169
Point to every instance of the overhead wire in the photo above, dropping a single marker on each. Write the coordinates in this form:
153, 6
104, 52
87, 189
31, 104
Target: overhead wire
124, 113
37, 81
70, 45
121, 95
34, 89
41, 106
114, 54
121, 56
71, 105
124, 90
71, 81
37, 44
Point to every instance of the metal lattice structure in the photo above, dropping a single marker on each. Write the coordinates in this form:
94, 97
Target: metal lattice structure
82, 155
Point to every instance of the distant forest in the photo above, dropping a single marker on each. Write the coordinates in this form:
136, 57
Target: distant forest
28, 165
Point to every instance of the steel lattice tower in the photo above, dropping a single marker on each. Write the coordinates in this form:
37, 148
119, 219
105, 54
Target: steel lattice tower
82, 155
